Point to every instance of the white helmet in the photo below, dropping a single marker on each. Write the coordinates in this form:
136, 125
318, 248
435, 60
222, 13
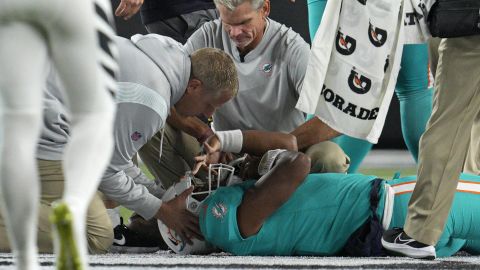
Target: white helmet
218, 175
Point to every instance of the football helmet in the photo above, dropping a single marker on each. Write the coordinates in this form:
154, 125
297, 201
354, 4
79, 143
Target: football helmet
218, 175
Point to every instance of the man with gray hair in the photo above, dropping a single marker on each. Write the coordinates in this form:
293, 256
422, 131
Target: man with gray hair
271, 61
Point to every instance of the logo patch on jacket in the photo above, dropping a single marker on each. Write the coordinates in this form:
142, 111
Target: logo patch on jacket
266, 69
377, 36
136, 136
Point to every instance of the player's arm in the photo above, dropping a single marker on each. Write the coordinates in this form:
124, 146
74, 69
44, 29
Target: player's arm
313, 131
253, 142
271, 191
191, 125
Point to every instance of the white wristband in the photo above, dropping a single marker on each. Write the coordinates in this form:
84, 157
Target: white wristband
230, 140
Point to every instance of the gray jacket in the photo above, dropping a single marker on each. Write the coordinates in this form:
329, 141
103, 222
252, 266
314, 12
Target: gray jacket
154, 72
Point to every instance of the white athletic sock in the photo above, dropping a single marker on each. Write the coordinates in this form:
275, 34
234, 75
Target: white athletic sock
20, 185
114, 215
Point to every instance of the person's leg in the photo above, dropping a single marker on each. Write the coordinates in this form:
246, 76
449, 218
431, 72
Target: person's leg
354, 148
414, 95
99, 230
315, 13
178, 152
463, 219
99, 227
23, 57
82, 51
327, 157
446, 140
433, 44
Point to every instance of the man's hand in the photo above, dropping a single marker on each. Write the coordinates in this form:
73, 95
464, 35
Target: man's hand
175, 215
127, 8
211, 154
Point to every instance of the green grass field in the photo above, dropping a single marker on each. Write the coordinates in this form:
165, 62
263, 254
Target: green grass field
386, 173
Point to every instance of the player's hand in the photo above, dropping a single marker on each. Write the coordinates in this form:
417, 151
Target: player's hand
175, 215
249, 168
127, 8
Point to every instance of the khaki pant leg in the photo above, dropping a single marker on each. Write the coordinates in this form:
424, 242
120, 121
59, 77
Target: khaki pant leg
433, 44
178, 152
444, 144
327, 157
99, 228
472, 161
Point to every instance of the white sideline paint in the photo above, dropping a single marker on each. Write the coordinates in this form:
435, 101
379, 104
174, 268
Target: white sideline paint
164, 260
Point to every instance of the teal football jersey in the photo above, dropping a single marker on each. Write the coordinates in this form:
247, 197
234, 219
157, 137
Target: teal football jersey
318, 218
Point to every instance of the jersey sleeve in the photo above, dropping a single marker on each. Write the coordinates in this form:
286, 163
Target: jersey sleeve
218, 217
121, 188
135, 124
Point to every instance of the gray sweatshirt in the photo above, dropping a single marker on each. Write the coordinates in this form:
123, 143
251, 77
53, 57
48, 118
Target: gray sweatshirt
270, 76
154, 72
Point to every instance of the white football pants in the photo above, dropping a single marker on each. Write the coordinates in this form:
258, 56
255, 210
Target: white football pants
76, 36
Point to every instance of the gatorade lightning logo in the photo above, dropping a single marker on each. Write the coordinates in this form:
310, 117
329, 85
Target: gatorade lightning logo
219, 210
377, 36
359, 84
345, 44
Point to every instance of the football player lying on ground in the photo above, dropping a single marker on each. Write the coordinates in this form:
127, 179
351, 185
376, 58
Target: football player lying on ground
291, 212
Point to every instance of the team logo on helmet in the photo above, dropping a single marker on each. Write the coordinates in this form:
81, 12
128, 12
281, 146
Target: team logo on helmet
359, 84
219, 210
345, 44
363, 2
377, 36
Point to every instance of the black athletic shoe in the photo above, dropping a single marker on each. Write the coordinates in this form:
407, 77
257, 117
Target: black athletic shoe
396, 241
128, 241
